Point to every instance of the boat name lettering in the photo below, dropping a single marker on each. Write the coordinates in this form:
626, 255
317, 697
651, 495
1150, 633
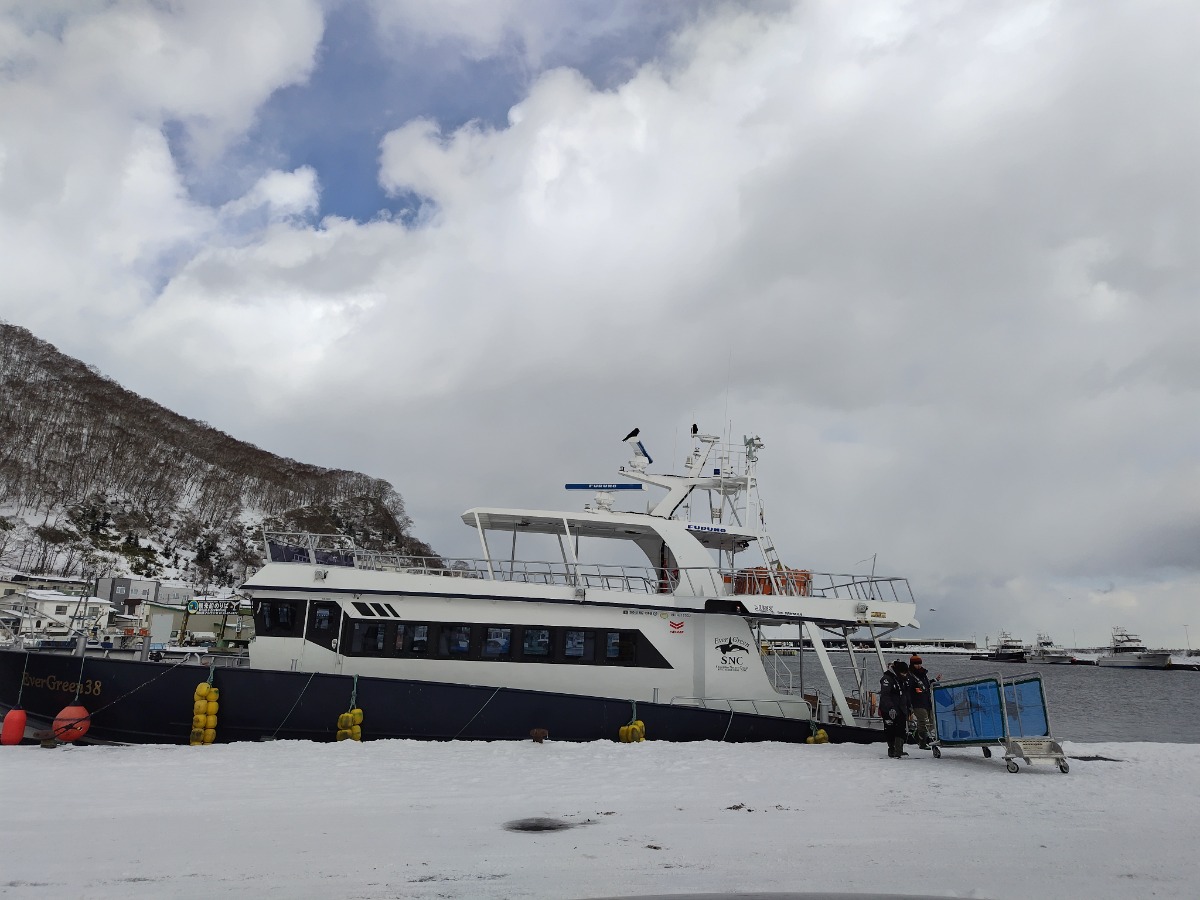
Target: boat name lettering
638, 612
89, 687
764, 609
878, 615
713, 528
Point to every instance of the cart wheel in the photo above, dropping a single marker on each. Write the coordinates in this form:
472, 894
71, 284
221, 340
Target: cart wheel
987, 751
1012, 766
937, 752
1063, 767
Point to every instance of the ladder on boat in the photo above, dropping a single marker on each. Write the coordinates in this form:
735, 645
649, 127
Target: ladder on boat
776, 573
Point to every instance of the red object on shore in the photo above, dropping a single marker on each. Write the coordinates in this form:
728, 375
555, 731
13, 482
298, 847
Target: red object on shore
72, 723
14, 727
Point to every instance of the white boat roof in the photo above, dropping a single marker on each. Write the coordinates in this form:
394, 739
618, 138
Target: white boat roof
603, 524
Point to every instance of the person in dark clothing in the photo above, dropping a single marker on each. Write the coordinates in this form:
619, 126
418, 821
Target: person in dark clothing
895, 706
922, 700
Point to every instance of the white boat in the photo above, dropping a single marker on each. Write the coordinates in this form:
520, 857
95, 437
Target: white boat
1048, 653
511, 642
1128, 651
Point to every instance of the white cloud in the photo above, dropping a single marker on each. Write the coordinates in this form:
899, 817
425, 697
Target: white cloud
92, 203
279, 194
941, 258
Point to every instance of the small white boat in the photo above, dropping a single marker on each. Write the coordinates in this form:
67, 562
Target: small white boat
1048, 653
1128, 651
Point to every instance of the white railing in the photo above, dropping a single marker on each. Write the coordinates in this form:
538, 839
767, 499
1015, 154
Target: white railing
780, 708
704, 581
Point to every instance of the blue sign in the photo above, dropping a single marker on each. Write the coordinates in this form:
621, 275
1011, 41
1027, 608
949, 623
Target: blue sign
603, 487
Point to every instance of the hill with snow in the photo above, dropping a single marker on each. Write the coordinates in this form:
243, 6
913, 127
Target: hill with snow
96, 480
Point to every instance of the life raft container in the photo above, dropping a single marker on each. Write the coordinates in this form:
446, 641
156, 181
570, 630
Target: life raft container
757, 580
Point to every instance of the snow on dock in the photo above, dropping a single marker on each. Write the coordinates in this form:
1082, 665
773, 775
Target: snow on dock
413, 819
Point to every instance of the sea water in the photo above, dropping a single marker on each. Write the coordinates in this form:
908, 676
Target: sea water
1085, 703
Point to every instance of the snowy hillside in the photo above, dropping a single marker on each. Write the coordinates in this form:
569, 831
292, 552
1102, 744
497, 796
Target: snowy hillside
96, 480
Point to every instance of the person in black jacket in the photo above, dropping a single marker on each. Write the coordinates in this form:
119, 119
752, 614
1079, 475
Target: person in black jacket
895, 706
922, 700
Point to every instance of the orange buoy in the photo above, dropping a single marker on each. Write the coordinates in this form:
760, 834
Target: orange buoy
72, 723
14, 727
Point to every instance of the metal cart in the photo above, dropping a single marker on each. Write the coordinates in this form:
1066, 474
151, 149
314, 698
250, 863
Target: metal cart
990, 709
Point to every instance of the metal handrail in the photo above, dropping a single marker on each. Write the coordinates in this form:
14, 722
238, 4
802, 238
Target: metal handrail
700, 581
703, 703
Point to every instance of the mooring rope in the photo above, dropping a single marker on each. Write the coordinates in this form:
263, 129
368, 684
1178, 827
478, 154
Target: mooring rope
729, 723
79, 680
476, 716
294, 705
21, 687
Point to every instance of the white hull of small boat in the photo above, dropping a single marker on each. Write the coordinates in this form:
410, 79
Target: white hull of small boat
1149, 660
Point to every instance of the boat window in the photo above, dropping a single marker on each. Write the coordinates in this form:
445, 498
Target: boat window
620, 646
364, 609
498, 643
455, 640
378, 607
579, 646
536, 642
368, 638
461, 640
418, 639
324, 622
277, 618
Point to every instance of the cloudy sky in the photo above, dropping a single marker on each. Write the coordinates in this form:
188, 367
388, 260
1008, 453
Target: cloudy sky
942, 256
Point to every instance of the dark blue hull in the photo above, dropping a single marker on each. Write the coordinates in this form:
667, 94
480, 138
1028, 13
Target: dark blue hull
151, 703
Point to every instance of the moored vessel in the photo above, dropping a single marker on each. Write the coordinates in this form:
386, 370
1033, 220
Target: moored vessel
1127, 651
1006, 649
1048, 653
505, 644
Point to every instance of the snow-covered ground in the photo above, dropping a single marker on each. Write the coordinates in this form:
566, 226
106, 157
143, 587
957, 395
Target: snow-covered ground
427, 820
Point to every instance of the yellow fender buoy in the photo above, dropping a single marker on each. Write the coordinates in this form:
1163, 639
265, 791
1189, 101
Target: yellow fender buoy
356, 716
204, 714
